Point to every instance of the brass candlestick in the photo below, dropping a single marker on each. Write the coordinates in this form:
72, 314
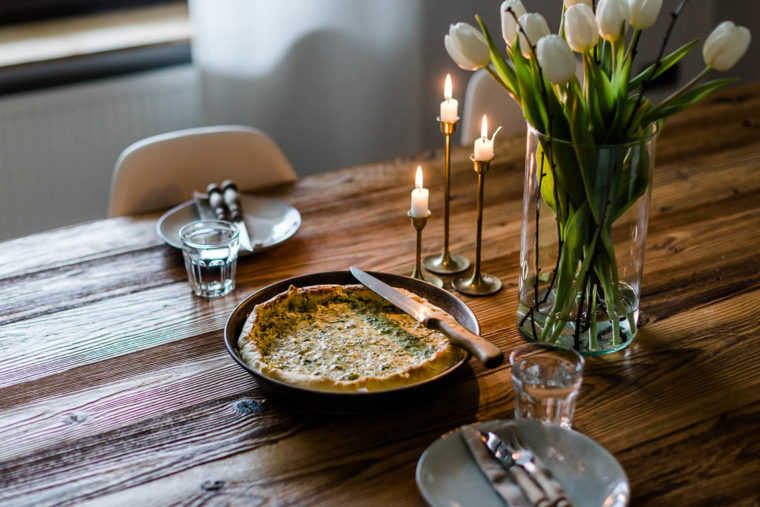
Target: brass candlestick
447, 263
419, 224
478, 284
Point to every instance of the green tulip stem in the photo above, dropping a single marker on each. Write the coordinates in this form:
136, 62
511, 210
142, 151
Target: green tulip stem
592, 343
657, 63
632, 48
501, 82
684, 89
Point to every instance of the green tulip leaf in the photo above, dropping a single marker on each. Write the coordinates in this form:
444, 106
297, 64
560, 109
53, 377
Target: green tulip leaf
666, 63
688, 98
633, 180
502, 67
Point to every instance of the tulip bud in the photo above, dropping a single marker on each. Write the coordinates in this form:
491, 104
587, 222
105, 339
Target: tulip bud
610, 16
725, 45
467, 46
508, 21
643, 13
534, 25
581, 31
570, 3
556, 60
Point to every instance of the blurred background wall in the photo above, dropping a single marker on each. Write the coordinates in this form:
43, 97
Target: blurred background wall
335, 82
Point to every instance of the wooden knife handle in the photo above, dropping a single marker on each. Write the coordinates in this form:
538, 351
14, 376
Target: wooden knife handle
488, 353
216, 202
232, 199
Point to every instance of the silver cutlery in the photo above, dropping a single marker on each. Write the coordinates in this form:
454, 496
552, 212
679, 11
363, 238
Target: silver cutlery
503, 455
523, 456
232, 201
216, 201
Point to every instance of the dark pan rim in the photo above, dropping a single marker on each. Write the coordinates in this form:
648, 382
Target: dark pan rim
230, 341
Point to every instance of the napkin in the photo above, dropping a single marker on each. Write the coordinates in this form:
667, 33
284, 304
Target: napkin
497, 475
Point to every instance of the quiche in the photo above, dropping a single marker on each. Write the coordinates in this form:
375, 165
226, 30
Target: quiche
341, 338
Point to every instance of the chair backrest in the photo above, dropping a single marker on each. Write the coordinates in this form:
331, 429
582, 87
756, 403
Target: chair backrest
486, 96
163, 170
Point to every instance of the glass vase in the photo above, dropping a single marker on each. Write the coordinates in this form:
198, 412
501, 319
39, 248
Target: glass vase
585, 215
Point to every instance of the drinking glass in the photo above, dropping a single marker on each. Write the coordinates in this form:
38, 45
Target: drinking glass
546, 380
210, 248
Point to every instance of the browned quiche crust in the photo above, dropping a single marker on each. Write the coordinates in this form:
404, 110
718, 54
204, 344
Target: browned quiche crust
431, 354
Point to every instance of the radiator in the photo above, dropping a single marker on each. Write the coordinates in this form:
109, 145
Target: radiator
58, 147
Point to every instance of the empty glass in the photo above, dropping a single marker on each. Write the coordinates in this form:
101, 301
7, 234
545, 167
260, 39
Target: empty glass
210, 248
546, 380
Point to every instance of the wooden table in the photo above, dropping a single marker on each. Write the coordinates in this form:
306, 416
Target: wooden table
115, 386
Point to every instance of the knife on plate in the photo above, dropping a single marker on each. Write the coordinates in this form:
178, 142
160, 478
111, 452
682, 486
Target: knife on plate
232, 200
488, 353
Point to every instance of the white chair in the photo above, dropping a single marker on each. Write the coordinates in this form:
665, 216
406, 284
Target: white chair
486, 96
163, 170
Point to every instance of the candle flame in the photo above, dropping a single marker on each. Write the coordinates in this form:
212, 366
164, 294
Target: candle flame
447, 88
484, 128
418, 177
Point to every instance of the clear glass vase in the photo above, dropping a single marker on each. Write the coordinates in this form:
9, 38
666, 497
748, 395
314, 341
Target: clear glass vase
585, 215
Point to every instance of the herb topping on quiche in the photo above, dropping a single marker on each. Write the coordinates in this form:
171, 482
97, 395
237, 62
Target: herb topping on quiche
341, 338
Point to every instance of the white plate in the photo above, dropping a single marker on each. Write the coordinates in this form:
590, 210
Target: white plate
447, 475
269, 222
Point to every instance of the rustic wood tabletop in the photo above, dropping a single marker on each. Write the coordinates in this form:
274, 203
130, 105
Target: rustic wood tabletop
115, 386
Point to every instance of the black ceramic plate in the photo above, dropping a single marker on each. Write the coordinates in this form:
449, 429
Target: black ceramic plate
329, 400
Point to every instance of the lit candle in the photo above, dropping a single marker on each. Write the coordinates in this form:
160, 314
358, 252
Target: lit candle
449, 106
419, 197
483, 146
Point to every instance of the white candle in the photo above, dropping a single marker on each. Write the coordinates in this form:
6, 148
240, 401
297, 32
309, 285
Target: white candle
483, 150
449, 107
419, 197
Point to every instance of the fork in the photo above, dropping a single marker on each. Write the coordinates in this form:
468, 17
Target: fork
524, 457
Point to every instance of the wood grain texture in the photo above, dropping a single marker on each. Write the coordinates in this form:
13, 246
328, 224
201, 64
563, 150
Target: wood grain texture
115, 386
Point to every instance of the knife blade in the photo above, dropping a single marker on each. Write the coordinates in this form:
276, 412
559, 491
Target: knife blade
488, 353
232, 200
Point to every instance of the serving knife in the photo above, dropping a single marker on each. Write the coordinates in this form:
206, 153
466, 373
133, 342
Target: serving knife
488, 353
232, 201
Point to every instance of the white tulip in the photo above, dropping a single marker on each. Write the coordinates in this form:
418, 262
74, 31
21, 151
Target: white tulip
534, 25
642, 14
556, 60
570, 3
467, 46
610, 16
725, 45
581, 31
508, 21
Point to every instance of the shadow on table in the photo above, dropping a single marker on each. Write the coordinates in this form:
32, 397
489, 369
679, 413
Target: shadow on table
457, 391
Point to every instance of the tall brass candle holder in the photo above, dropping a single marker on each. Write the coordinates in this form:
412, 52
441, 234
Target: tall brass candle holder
419, 224
447, 263
478, 284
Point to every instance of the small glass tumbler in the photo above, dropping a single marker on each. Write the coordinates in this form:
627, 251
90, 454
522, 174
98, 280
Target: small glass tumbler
546, 380
210, 248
